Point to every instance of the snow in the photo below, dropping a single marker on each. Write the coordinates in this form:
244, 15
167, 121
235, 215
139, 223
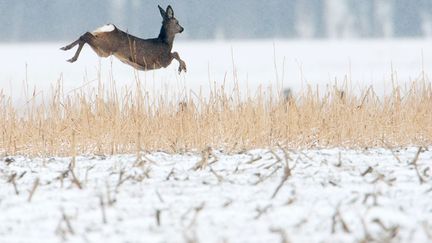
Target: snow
250, 63
375, 193
331, 195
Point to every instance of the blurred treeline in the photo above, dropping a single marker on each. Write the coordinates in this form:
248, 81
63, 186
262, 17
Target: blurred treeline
53, 20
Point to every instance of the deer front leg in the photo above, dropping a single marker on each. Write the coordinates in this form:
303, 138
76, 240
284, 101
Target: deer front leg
182, 66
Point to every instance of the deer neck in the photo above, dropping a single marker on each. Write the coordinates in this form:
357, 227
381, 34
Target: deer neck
165, 37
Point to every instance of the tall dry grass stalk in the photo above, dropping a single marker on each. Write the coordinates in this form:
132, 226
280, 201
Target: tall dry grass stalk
109, 121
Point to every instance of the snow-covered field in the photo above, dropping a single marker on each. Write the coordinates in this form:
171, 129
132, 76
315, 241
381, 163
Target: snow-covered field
328, 195
323, 195
298, 62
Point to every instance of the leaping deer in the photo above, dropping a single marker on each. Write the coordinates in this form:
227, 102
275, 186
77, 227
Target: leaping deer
142, 54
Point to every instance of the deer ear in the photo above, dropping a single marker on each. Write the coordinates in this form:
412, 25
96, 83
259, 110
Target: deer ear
170, 12
162, 12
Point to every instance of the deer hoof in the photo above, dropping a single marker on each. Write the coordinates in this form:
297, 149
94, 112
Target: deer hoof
65, 48
72, 60
182, 67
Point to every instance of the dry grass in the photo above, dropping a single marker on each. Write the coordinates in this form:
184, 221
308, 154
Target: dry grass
108, 120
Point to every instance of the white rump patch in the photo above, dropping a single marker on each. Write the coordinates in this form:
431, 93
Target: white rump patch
105, 28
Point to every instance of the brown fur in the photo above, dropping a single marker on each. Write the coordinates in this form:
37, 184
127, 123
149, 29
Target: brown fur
142, 54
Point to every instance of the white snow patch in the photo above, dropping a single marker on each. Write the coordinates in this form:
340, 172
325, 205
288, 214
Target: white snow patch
380, 63
105, 28
332, 195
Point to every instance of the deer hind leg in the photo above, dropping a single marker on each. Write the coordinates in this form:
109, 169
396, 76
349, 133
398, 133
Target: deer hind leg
70, 46
75, 57
182, 66
86, 38
90, 39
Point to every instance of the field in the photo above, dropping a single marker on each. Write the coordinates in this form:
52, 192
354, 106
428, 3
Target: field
281, 195
111, 121
244, 150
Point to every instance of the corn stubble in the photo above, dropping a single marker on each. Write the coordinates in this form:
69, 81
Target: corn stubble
109, 121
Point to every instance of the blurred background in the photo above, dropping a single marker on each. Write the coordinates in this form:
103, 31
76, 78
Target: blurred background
54, 20
242, 43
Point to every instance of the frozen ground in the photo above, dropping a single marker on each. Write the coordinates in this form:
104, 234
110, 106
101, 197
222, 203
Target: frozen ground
298, 62
334, 195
